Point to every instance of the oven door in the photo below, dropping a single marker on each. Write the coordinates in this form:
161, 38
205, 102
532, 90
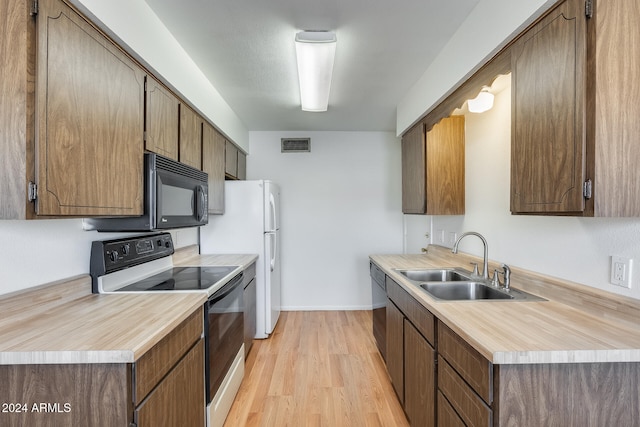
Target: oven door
224, 332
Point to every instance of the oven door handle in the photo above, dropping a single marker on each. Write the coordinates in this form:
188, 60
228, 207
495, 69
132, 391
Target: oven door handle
226, 289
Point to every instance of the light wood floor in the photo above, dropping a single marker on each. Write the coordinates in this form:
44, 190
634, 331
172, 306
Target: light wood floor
318, 368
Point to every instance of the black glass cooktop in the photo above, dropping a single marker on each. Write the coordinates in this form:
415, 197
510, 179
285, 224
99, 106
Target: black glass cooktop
181, 279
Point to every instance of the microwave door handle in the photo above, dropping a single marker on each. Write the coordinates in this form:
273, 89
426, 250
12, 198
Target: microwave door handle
202, 202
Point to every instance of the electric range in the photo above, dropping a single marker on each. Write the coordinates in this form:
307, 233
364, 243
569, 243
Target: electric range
144, 264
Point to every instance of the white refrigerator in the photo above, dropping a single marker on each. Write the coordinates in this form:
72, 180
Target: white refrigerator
251, 225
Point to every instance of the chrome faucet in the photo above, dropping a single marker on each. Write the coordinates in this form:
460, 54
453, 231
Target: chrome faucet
485, 261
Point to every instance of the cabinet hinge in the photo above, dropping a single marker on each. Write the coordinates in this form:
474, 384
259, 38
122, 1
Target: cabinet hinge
588, 9
144, 136
34, 8
33, 191
587, 189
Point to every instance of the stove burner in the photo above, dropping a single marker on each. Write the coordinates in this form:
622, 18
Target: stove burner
181, 278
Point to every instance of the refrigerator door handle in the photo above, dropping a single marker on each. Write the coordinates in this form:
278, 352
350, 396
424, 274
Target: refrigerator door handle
274, 250
272, 204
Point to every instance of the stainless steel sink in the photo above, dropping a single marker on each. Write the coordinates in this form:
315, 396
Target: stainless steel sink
456, 284
462, 291
435, 275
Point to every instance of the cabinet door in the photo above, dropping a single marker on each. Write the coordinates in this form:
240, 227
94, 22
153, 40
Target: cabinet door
242, 165
615, 126
231, 160
395, 348
213, 164
447, 416
16, 109
89, 119
190, 137
419, 378
445, 167
179, 398
413, 171
161, 120
548, 135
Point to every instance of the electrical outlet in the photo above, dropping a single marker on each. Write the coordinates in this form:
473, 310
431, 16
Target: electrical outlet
621, 271
440, 234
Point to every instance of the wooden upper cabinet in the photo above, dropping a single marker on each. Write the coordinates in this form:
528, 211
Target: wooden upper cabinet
161, 120
231, 160
433, 169
548, 107
213, 161
90, 119
190, 137
612, 117
414, 171
242, 165
16, 109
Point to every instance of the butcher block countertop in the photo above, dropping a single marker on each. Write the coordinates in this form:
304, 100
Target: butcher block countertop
576, 324
64, 323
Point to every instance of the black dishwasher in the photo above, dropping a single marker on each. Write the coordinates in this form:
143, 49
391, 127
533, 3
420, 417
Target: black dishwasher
379, 305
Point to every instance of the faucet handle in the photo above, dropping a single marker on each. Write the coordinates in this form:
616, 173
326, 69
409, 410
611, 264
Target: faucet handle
475, 268
507, 275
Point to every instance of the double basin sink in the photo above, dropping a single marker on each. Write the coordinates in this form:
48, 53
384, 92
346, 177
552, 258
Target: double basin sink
452, 284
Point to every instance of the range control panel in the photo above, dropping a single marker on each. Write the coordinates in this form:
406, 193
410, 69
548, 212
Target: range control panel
108, 256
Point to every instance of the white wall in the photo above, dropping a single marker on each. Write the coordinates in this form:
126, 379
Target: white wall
339, 204
490, 25
133, 23
576, 249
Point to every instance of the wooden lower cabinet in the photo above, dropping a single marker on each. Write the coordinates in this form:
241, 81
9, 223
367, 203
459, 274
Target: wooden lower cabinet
419, 381
164, 387
411, 356
178, 400
395, 348
447, 416
250, 301
465, 389
474, 391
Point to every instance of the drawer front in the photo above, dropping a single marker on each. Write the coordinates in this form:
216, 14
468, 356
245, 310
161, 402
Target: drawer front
422, 318
179, 399
466, 403
447, 416
155, 363
471, 365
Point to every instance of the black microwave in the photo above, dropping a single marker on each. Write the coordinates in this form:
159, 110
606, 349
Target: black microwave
175, 196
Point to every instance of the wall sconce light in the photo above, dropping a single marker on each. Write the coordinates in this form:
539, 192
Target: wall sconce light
315, 52
481, 103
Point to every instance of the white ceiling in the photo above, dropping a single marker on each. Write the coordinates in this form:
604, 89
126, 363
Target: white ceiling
246, 49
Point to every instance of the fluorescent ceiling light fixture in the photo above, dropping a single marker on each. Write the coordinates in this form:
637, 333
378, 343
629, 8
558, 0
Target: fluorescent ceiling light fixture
481, 103
315, 51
